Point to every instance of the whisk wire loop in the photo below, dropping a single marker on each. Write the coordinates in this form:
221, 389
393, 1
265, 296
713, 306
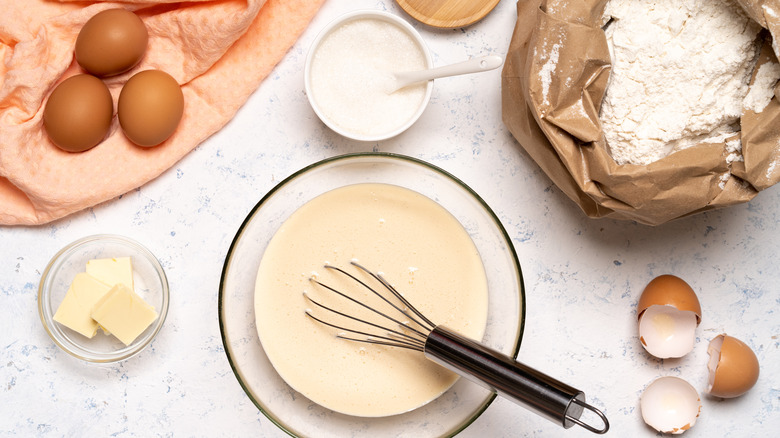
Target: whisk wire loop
430, 325
365, 306
406, 340
392, 343
587, 426
425, 323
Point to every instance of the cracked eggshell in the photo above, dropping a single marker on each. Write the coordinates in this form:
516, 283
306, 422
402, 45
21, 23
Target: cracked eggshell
668, 313
733, 367
669, 290
670, 405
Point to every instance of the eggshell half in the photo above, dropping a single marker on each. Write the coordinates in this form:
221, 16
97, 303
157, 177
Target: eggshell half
669, 290
733, 367
670, 405
666, 332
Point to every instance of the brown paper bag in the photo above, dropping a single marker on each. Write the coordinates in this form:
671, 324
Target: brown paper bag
552, 109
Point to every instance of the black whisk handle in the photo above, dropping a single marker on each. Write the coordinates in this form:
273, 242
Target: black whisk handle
500, 373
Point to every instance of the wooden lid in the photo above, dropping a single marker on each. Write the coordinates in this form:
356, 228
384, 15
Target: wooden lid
447, 13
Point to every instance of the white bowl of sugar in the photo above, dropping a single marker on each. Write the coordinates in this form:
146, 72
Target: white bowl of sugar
350, 70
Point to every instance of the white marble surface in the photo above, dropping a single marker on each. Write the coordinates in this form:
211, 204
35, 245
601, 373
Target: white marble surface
582, 276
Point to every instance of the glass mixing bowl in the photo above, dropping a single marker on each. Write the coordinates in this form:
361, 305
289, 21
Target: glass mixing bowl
448, 414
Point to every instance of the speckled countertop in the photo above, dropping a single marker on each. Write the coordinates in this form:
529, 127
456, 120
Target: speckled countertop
582, 276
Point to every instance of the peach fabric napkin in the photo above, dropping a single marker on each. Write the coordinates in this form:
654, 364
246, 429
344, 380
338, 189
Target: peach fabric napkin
219, 51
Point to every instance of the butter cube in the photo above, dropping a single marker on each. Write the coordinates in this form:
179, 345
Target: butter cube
76, 308
123, 313
72, 315
112, 271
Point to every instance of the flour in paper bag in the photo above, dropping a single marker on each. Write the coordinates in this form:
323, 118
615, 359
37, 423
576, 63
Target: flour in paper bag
680, 74
763, 87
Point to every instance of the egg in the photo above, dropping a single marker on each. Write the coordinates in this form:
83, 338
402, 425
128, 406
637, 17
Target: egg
111, 42
668, 313
78, 113
733, 367
150, 107
670, 405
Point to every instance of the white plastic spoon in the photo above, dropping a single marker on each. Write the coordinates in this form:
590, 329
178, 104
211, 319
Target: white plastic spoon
474, 65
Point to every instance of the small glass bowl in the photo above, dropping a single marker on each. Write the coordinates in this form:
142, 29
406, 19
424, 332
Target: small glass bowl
334, 25
150, 284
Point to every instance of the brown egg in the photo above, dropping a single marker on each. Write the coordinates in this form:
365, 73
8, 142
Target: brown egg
672, 291
78, 113
111, 42
733, 367
150, 107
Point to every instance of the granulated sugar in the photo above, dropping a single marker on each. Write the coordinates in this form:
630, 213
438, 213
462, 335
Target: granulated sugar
352, 71
680, 72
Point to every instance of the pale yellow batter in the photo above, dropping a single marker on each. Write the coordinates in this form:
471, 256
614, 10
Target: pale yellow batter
418, 246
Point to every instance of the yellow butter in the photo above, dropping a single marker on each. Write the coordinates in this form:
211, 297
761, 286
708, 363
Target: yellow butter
122, 312
112, 271
72, 315
75, 310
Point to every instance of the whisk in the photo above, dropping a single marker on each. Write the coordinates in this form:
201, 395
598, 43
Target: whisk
478, 363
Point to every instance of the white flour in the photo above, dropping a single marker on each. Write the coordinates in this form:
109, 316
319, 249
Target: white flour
680, 72
734, 153
762, 90
547, 70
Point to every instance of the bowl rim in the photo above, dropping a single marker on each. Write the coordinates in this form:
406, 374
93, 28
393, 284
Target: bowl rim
354, 15
125, 353
393, 156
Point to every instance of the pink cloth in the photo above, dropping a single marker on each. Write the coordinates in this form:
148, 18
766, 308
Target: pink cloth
219, 51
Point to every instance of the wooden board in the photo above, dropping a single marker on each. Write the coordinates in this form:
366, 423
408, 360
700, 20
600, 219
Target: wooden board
447, 13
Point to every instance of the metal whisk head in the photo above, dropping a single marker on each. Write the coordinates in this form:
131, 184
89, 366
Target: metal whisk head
411, 335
